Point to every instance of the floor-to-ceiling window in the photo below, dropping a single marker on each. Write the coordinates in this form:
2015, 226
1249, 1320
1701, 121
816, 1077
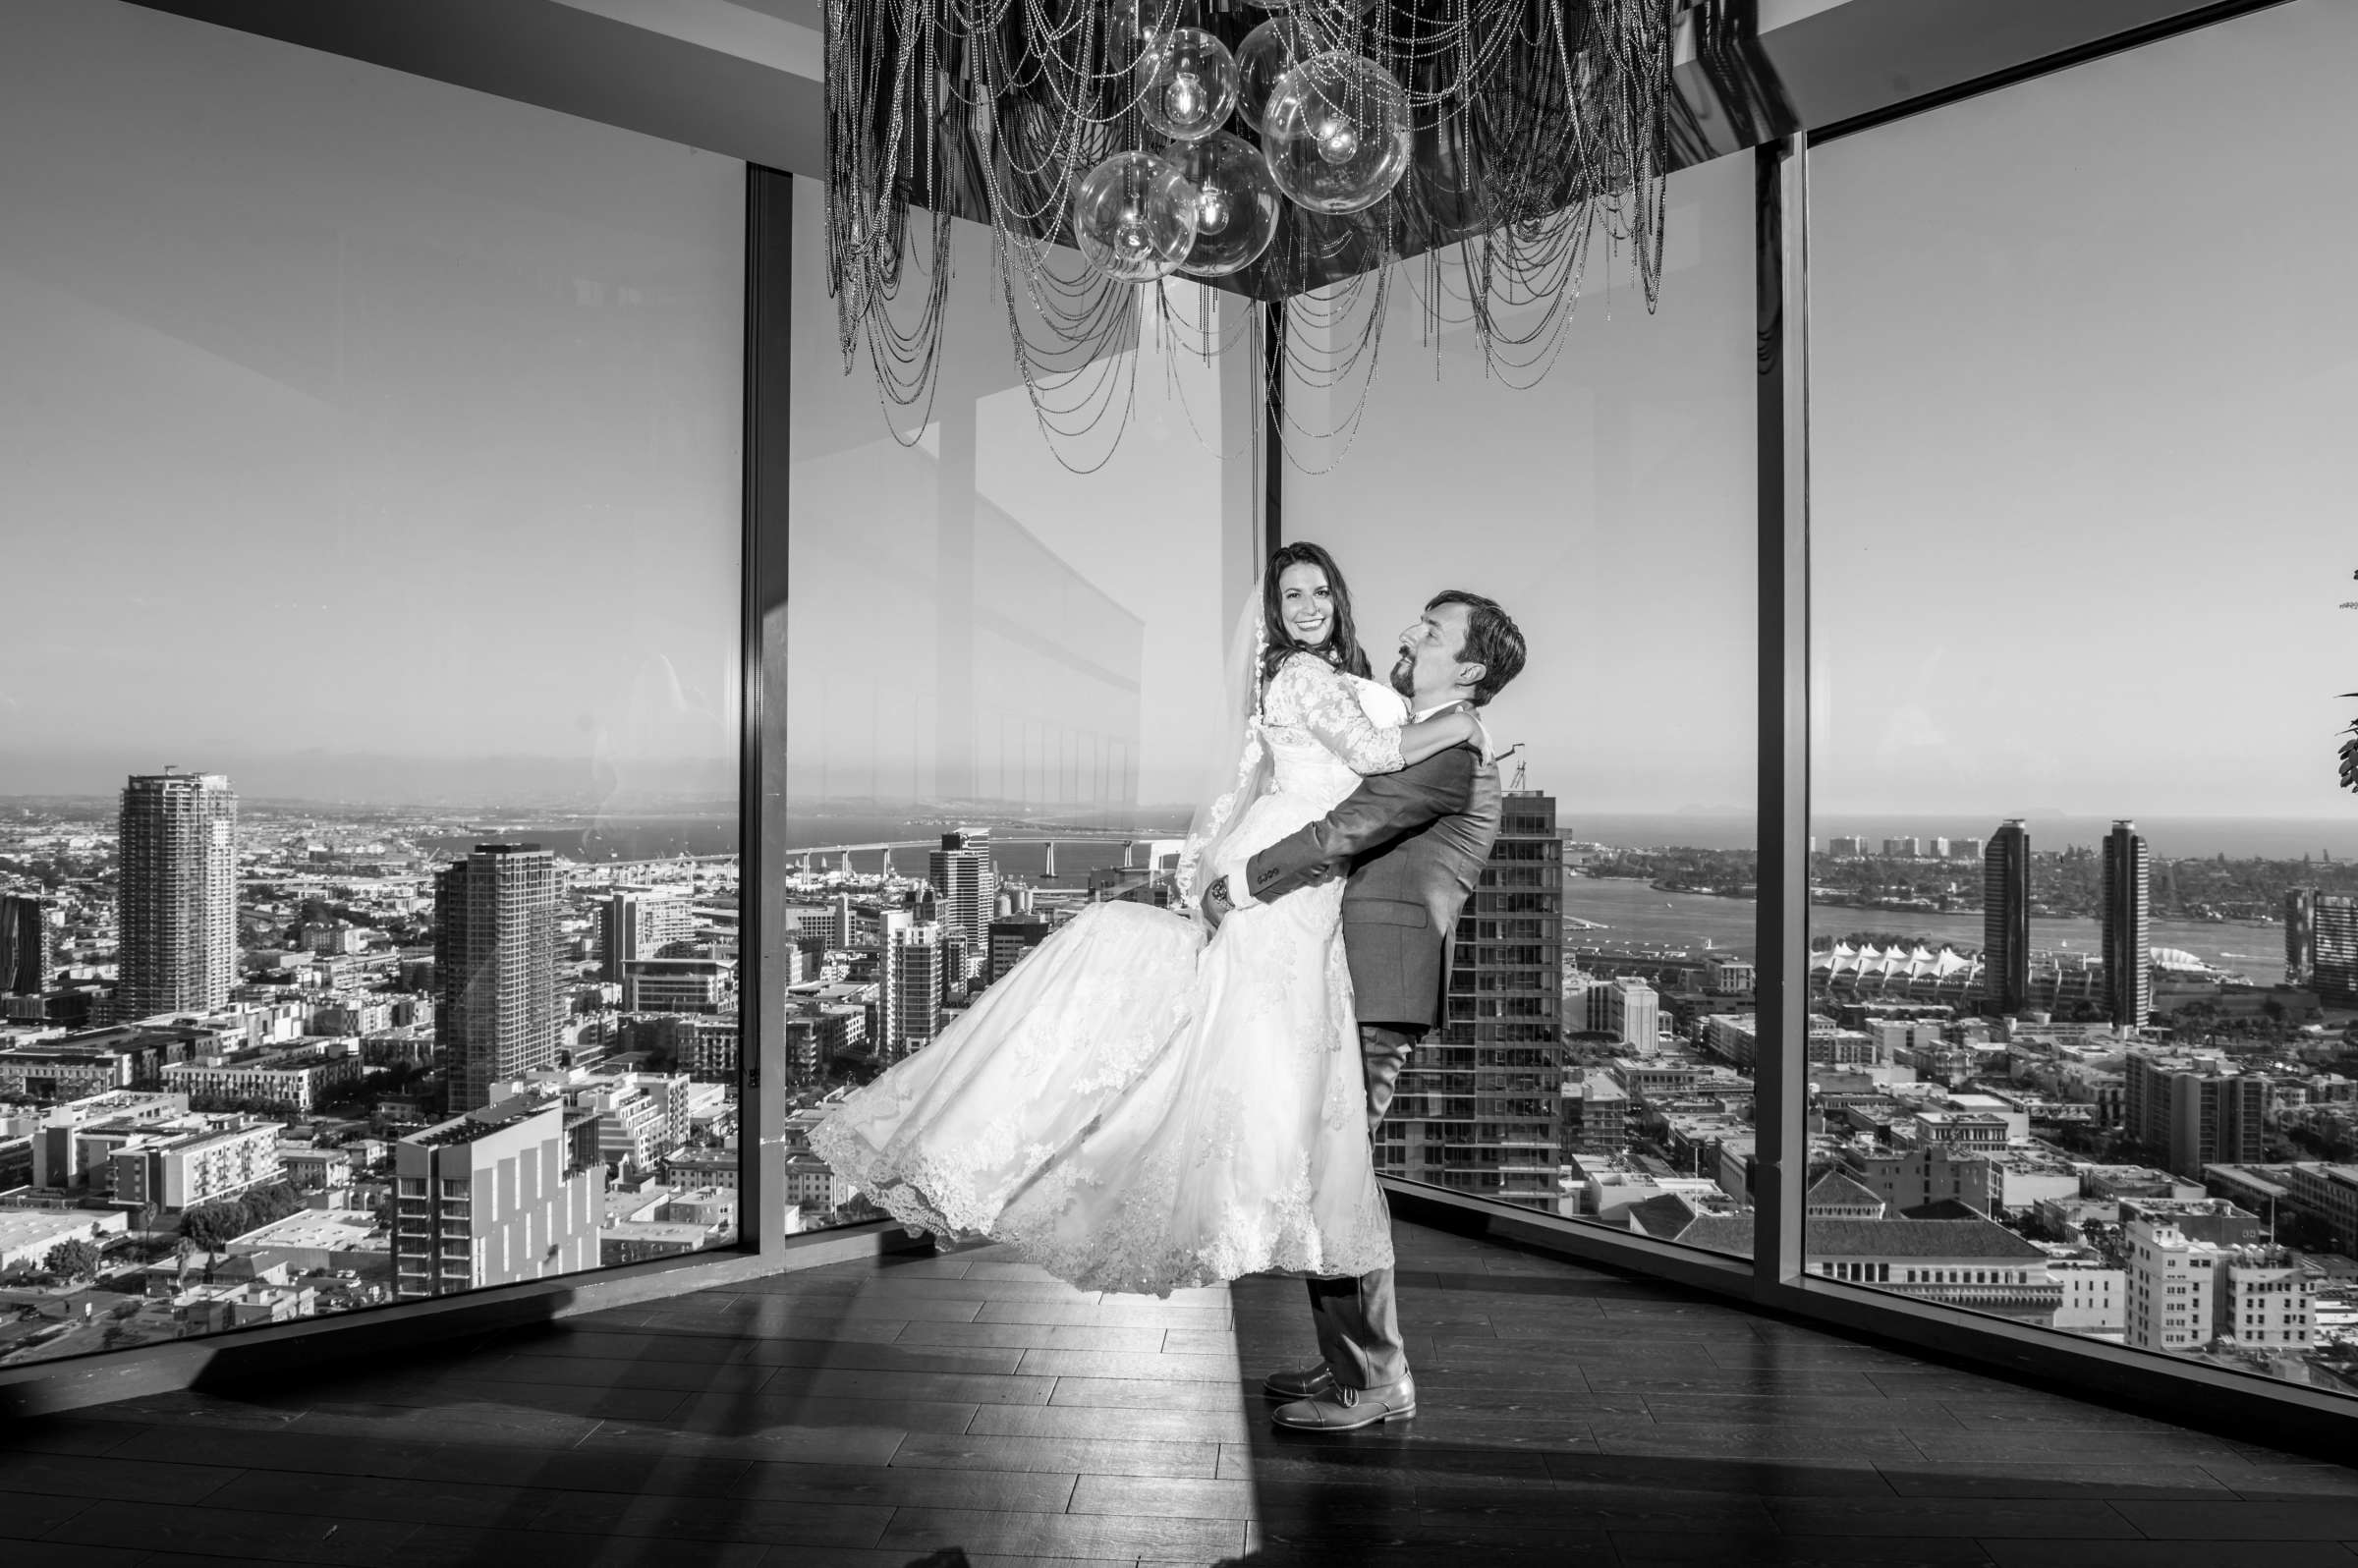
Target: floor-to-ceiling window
368, 815
1004, 655
1596, 1060
2082, 372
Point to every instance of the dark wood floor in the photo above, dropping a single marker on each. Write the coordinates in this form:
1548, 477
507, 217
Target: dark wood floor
876, 1412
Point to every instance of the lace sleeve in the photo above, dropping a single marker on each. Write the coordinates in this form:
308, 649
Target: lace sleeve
1308, 694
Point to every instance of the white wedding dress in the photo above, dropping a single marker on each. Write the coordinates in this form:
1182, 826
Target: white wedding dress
1135, 1108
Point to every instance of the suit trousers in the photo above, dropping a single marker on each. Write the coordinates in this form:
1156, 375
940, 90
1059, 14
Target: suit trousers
1357, 1321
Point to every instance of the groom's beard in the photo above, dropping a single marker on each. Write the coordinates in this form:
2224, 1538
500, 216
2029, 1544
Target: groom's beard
1404, 676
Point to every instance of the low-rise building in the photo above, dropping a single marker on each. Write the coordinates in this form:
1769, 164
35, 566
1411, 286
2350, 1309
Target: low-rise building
28, 1234
297, 1078
180, 1170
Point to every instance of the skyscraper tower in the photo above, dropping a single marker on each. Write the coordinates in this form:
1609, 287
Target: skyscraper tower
495, 968
178, 894
917, 953
1478, 1107
2128, 901
966, 891
23, 944
2006, 918
2300, 935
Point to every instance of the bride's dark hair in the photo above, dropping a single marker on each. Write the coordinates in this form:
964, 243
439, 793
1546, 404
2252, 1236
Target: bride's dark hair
1341, 647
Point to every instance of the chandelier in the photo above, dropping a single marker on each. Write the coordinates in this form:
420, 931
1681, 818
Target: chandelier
1281, 154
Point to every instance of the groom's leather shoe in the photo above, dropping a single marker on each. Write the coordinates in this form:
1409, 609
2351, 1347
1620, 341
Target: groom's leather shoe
1349, 1408
1310, 1382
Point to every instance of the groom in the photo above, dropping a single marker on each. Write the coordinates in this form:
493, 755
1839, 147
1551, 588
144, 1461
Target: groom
1413, 843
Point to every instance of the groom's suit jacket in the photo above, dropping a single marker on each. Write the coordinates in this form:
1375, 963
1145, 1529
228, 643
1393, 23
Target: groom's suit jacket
1413, 841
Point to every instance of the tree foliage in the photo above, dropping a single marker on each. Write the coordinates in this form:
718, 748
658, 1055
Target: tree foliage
213, 1225
74, 1259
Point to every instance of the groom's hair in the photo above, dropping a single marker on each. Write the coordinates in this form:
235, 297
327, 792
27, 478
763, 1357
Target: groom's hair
1493, 640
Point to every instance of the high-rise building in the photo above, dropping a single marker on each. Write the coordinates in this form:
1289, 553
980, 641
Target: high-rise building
495, 968
499, 1195
2006, 918
178, 892
639, 923
24, 943
1902, 848
1846, 846
2128, 902
1966, 849
917, 978
1937, 849
2333, 948
2300, 935
965, 887
1479, 1107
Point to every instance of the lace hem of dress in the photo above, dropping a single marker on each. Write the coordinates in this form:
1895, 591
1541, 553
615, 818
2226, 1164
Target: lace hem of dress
1132, 1255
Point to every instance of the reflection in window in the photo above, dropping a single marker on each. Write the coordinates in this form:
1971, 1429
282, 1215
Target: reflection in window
2082, 875
1003, 676
1595, 1059
368, 881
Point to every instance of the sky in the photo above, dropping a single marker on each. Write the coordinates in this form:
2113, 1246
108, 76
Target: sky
358, 434
2084, 377
365, 435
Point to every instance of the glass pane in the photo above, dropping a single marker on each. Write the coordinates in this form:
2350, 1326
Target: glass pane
370, 627
1596, 1061
2082, 872
1003, 676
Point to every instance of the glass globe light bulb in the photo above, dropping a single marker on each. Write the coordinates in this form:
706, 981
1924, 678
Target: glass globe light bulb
1338, 142
1337, 132
1133, 217
1267, 53
1187, 84
1184, 99
1237, 207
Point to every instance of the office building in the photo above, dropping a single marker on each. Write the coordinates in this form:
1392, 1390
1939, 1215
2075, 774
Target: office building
2194, 1110
2006, 918
640, 923
2184, 1294
178, 894
495, 968
966, 889
25, 961
499, 1195
1479, 1107
2127, 946
1902, 848
1625, 1008
680, 985
1844, 846
2321, 944
1966, 849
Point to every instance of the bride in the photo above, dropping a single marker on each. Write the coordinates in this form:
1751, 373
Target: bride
1136, 1106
